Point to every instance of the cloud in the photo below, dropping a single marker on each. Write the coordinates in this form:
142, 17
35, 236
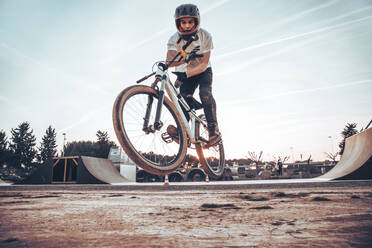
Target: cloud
112, 59
84, 119
157, 34
23, 58
14, 106
292, 37
241, 65
214, 6
5, 100
19, 54
305, 12
277, 25
302, 91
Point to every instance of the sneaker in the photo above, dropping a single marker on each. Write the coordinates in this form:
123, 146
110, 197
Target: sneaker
213, 140
173, 132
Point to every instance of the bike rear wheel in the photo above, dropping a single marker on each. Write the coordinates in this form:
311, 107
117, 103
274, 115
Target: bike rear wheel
153, 151
212, 159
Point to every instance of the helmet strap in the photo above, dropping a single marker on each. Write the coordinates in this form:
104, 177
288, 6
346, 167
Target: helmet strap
186, 37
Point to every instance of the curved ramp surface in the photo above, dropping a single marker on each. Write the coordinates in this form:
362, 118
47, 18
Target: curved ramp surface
356, 162
103, 169
4, 183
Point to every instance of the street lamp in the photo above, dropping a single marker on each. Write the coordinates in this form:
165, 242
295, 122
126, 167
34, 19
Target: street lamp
292, 153
331, 139
64, 142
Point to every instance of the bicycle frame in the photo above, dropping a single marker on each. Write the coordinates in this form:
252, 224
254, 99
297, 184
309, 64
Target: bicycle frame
177, 100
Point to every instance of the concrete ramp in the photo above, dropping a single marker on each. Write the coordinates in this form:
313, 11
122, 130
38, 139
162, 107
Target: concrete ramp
356, 161
103, 170
2, 183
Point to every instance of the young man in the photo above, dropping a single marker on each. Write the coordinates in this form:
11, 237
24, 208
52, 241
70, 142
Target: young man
197, 71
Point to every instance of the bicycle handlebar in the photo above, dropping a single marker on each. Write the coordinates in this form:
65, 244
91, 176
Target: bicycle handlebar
145, 77
182, 52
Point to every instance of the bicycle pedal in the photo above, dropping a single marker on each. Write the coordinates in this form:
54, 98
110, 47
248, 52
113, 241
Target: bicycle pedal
209, 145
202, 139
166, 137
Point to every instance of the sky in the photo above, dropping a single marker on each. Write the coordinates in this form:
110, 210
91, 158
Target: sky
288, 75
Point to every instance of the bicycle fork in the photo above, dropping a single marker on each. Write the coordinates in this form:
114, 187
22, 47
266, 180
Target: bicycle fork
195, 120
157, 123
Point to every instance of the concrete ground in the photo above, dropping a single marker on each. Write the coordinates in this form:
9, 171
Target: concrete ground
329, 214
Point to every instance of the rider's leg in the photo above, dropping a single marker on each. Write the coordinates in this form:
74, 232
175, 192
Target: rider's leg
209, 105
187, 89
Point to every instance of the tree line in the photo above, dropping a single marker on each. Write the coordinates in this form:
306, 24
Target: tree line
98, 149
21, 150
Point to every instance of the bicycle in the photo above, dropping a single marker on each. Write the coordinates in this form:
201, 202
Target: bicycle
141, 129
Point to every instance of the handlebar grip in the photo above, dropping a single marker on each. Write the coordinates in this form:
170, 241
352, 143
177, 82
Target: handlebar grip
145, 77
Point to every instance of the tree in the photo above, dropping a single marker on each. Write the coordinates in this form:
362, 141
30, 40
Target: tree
48, 146
80, 148
103, 144
23, 145
99, 149
3, 141
5, 153
102, 137
281, 159
255, 158
302, 160
332, 156
349, 130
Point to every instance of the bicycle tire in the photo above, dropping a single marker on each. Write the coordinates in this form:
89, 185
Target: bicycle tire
213, 158
126, 139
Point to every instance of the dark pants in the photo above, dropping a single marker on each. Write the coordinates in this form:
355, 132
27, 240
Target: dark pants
204, 81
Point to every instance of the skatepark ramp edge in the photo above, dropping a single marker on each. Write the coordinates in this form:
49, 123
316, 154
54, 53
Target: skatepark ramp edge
356, 161
103, 169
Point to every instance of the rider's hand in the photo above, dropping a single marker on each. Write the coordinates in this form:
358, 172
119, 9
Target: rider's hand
189, 57
192, 56
181, 76
163, 66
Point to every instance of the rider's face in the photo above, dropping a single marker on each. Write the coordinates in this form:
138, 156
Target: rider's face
187, 24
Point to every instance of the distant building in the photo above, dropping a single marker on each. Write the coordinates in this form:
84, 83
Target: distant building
123, 163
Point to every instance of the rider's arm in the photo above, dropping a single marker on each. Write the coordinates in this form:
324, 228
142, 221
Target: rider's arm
170, 56
200, 66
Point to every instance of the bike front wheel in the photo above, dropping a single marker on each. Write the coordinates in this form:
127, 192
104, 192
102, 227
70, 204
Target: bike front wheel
212, 159
154, 151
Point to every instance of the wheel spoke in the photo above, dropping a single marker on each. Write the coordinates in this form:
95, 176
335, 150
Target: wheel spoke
151, 146
213, 158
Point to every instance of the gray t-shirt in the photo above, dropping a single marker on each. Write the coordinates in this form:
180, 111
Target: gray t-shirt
204, 41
